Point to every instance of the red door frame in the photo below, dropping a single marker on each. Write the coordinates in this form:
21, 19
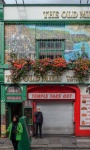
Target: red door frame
76, 90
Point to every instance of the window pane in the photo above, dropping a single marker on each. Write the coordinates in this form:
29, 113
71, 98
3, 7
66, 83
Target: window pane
14, 89
42, 45
50, 45
51, 48
28, 114
58, 45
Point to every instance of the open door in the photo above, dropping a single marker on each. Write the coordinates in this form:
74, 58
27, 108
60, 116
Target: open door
11, 110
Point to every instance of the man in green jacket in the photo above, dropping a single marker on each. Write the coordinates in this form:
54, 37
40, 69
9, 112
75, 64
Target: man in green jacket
15, 131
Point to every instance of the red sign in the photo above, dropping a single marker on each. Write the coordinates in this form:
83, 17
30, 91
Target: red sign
51, 95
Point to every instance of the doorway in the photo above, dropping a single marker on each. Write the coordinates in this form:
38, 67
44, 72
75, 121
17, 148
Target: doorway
16, 109
13, 109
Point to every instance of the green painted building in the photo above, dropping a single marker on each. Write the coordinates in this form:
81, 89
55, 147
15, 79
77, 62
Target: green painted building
35, 32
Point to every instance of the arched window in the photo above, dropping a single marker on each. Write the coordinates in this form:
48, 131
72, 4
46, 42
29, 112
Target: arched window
14, 89
13, 93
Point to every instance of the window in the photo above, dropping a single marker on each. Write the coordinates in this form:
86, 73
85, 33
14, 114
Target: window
14, 89
13, 93
50, 48
28, 114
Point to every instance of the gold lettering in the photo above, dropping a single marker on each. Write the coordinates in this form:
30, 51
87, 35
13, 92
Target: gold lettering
52, 77
87, 14
67, 80
82, 14
26, 79
75, 14
45, 13
63, 15
51, 14
59, 79
57, 14
46, 78
38, 78
56, 78
68, 14
30, 78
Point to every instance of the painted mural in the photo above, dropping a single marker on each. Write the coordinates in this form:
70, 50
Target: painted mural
21, 39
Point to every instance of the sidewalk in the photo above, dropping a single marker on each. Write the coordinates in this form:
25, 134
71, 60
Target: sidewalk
5, 144
61, 143
52, 143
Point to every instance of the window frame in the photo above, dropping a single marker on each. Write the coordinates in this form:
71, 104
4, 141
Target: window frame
38, 50
13, 94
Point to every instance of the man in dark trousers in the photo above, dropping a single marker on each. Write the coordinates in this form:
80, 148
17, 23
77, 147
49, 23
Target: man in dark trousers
39, 121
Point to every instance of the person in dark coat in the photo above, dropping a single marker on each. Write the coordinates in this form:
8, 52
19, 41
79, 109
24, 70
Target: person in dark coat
39, 121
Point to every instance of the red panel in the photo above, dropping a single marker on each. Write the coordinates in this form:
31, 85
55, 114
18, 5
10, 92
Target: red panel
78, 131
50, 89
63, 89
34, 110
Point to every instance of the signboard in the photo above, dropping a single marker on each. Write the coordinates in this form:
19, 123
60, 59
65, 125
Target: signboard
46, 13
51, 95
66, 78
85, 110
27, 103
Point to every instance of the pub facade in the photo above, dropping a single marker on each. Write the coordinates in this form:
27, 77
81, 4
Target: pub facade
37, 32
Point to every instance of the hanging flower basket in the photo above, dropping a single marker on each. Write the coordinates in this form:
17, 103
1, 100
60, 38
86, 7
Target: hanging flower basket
58, 66
42, 66
82, 69
19, 68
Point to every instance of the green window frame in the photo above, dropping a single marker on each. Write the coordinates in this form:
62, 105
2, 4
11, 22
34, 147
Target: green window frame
28, 112
21, 96
13, 93
50, 48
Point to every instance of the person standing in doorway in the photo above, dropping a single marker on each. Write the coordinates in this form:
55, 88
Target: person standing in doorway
39, 121
15, 131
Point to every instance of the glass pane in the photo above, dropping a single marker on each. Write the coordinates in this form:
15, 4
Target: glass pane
50, 45
42, 45
58, 45
14, 89
28, 114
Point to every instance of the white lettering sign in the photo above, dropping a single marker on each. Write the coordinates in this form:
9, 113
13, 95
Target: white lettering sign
51, 95
66, 77
46, 13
